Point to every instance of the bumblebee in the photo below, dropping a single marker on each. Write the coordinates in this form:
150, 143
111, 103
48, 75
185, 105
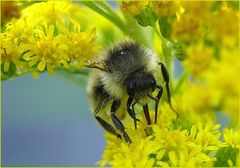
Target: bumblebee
126, 74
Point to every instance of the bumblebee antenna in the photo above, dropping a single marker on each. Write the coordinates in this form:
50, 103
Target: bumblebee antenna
96, 64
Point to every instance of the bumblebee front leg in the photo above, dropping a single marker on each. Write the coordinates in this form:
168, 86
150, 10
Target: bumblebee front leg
117, 123
131, 112
166, 79
107, 126
156, 99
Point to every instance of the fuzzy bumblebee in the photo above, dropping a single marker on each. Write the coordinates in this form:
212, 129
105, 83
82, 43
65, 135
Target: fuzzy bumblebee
125, 75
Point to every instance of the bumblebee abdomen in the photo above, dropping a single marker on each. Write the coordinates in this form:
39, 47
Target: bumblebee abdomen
98, 96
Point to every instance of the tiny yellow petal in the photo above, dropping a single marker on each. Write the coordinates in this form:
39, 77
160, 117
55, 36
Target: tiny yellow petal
50, 32
173, 158
42, 64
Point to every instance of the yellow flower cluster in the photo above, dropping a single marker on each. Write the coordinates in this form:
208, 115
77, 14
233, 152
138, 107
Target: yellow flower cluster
211, 87
213, 62
165, 8
47, 36
173, 142
161, 8
134, 7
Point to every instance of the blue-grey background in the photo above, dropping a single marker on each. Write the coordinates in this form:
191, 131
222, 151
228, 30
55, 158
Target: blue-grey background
46, 122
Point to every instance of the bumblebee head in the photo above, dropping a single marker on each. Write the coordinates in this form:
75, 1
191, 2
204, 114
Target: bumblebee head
140, 84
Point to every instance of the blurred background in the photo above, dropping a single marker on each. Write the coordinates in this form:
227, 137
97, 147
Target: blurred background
46, 122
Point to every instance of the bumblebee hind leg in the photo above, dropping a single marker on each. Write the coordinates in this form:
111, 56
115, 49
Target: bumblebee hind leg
117, 123
107, 126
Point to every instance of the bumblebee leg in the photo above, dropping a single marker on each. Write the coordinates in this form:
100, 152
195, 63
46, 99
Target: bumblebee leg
166, 79
117, 123
131, 112
156, 99
146, 112
107, 126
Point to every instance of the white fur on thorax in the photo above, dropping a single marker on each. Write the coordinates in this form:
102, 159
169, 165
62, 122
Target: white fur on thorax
113, 84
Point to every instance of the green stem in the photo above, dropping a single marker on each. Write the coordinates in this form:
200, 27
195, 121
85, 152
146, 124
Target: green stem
106, 7
167, 57
180, 82
159, 33
116, 20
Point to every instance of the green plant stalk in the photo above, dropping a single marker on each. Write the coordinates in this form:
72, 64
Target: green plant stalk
106, 7
115, 20
167, 57
180, 82
109, 14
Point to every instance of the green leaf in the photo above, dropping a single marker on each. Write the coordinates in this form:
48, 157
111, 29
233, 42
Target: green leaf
235, 5
178, 50
147, 17
165, 24
11, 71
224, 154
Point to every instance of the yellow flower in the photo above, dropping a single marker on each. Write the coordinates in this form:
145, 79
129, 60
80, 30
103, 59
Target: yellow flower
16, 32
50, 12
165, 8
207, 97
46, 50
119, 154
47, 36
231, 138
9, 10
225, 22
198, 60
134, 7
186, 28
81, 45
200, 9
163, 144
223, 77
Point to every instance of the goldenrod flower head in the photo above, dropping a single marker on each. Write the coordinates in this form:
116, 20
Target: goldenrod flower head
198, 8
48, 36
225, 16
186, 28
208, 97
225, 71
134, 7
165, 8
198, 60
46, 50
81, 44
231, 138
163, 144
16, 33
51, 12
9, 10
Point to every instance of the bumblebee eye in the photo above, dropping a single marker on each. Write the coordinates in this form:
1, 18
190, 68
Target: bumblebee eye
123, 52
153, 82
132, 84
